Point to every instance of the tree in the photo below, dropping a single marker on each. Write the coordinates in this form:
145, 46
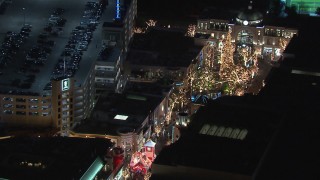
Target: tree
318, 11
203, 77
236, 77
276, 7
291, 11
191, 30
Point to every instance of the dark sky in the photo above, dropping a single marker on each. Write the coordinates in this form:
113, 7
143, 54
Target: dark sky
182, 9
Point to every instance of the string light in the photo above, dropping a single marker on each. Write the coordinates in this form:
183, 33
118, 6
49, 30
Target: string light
191, 30
216, 71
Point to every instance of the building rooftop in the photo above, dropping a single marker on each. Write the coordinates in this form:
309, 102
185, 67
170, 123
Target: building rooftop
19, 78
49, 158
109, 54
157, 89
162, 48
114, 112
228, 135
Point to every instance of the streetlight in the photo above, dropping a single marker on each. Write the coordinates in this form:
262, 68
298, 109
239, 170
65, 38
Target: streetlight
24, 16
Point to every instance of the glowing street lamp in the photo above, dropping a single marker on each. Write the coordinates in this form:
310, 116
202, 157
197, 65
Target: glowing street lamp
24, 15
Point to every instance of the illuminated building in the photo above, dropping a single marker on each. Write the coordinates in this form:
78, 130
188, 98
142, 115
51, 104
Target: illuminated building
50, 93
107, 70
303, 6
248, 29
67, 102
117, 32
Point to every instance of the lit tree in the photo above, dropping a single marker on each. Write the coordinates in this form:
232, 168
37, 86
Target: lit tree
151, 23
126, 172
236, 77
202, 77
177, 100
138, 30
249, 59
191, 30
147, 176
283, 42
157, 129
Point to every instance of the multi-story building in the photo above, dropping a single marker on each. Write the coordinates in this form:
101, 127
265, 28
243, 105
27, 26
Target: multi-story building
117, 32
107, 69
248, 29
303, 6
41, 95
127, 119
118, 29
72, 100
161, 54
68, 101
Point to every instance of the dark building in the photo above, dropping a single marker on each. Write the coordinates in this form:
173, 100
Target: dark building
160, 53
54, 158
227, 139
278, 126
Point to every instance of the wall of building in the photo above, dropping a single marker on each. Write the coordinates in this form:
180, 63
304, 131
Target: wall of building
304, 6
184, 172
265, 39
25, 110
63, 104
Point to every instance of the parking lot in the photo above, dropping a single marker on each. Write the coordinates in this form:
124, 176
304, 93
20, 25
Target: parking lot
52, 38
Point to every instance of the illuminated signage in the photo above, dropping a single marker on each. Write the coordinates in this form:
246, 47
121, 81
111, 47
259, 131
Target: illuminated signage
121, 117
65, 84
118, 9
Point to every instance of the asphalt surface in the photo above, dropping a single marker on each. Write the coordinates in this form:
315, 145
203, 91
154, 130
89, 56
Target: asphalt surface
36, 13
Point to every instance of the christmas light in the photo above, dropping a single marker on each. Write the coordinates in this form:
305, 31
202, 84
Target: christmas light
191, 30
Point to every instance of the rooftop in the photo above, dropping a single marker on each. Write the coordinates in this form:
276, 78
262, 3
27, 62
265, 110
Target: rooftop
135, 106
162, 48
49, 158
109, 54
229, 135
20, 78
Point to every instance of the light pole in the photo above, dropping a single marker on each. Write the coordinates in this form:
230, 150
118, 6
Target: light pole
24, 16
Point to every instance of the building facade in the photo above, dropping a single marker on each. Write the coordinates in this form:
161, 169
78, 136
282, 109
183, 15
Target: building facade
107, 70
68, 102
117, 33
248, 29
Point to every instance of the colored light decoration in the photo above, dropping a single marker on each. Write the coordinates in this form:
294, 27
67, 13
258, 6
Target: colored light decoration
118, 16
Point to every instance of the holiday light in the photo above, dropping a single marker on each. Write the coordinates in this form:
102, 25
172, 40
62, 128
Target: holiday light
236, 77
216, 71
283, 42
191, 30
151, 23
157, 129
138, 30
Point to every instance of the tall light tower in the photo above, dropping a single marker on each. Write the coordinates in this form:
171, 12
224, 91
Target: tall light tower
24, 16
